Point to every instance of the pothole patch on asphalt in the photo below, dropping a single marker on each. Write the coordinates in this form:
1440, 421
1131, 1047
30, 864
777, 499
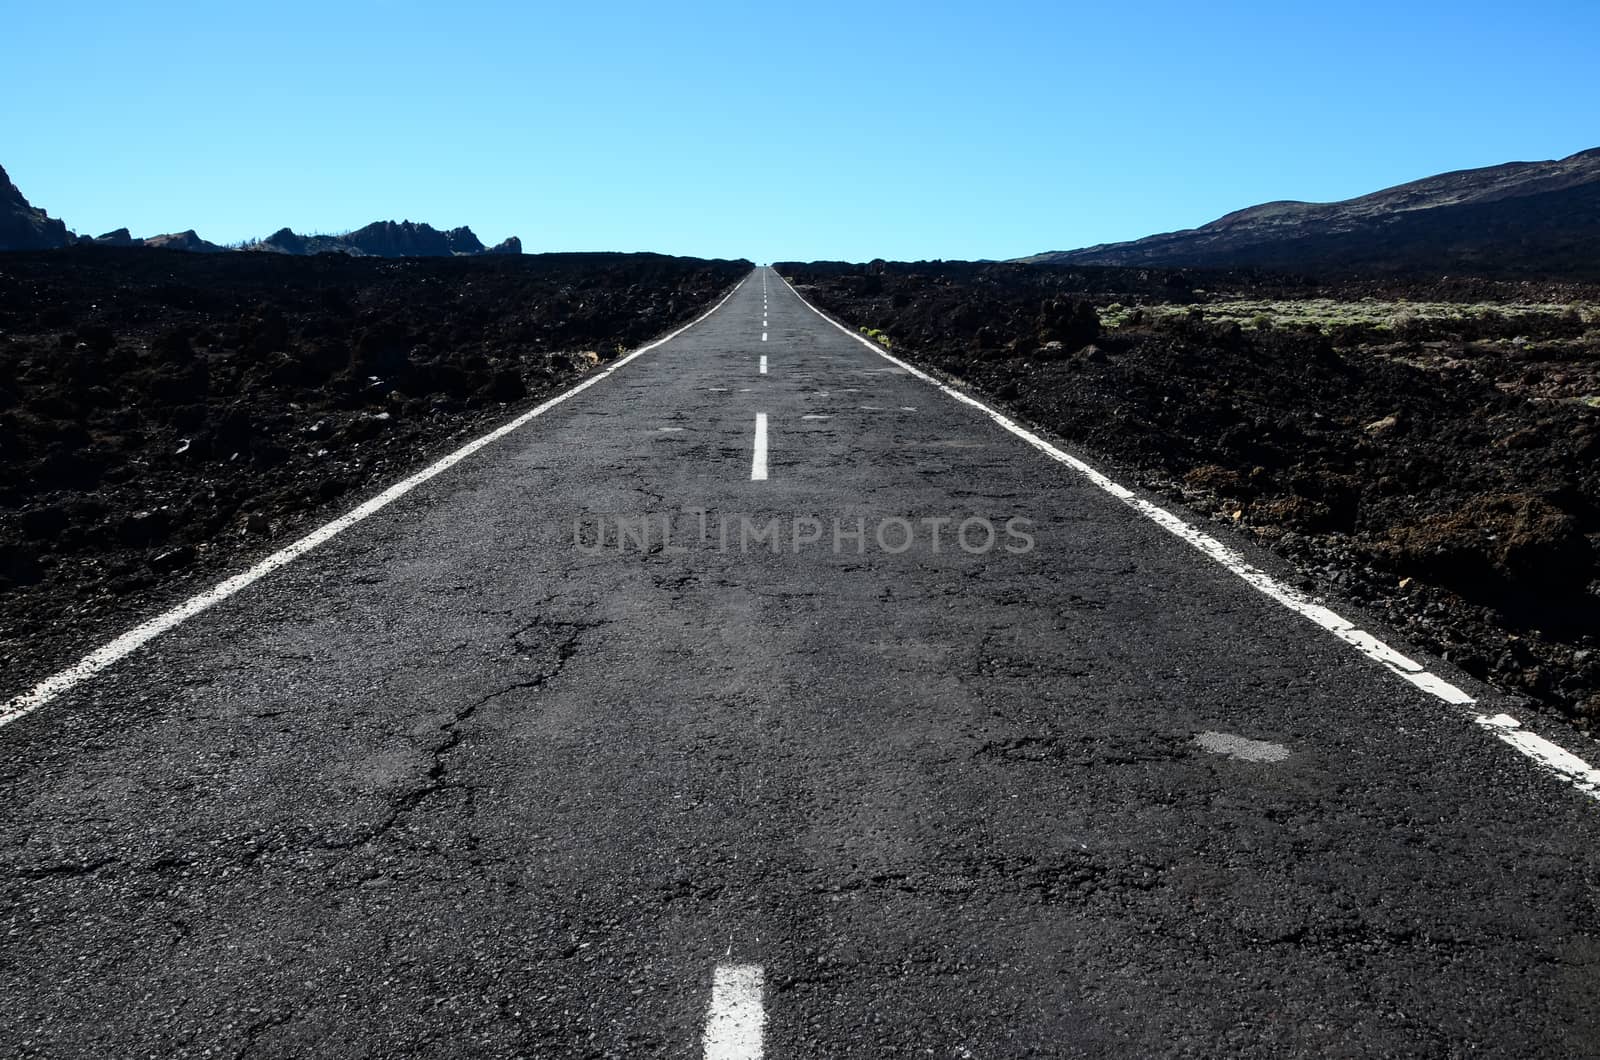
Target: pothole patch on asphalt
1240, 747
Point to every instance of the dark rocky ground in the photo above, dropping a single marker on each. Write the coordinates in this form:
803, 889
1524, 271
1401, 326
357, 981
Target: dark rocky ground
1427, 447
165, 417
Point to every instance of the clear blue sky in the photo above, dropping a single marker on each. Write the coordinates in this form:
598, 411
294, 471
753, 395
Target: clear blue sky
771, 131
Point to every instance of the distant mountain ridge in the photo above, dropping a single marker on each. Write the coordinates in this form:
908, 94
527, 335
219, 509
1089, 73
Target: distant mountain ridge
388, 239
380, 239
25, 227
1517, 216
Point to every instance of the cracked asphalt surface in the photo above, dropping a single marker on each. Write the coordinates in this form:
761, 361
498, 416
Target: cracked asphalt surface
459, 783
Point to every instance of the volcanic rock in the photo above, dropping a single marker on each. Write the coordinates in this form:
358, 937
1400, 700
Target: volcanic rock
24, 226
187, 240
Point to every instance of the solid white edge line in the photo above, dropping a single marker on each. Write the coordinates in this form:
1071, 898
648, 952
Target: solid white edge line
758, 456
1548, 755
25, 703
1223, 554
1557, 760
736, 1019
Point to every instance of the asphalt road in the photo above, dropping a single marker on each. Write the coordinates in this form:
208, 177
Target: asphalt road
459, 783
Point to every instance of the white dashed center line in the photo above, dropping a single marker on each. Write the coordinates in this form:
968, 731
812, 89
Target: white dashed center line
763, 364
735, 1020
758, 462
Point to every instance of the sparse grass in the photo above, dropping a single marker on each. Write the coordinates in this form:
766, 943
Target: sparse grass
877, 336
1116, 315
1326, 313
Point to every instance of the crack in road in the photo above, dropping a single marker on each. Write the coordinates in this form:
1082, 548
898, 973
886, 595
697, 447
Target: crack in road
254, 1031
564, 650
1070, 875
1082, 750
65, 869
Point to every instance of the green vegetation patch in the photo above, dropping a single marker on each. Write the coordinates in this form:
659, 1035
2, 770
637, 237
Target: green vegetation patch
1325, 314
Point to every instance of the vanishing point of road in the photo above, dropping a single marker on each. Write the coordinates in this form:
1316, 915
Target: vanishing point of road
764, 699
